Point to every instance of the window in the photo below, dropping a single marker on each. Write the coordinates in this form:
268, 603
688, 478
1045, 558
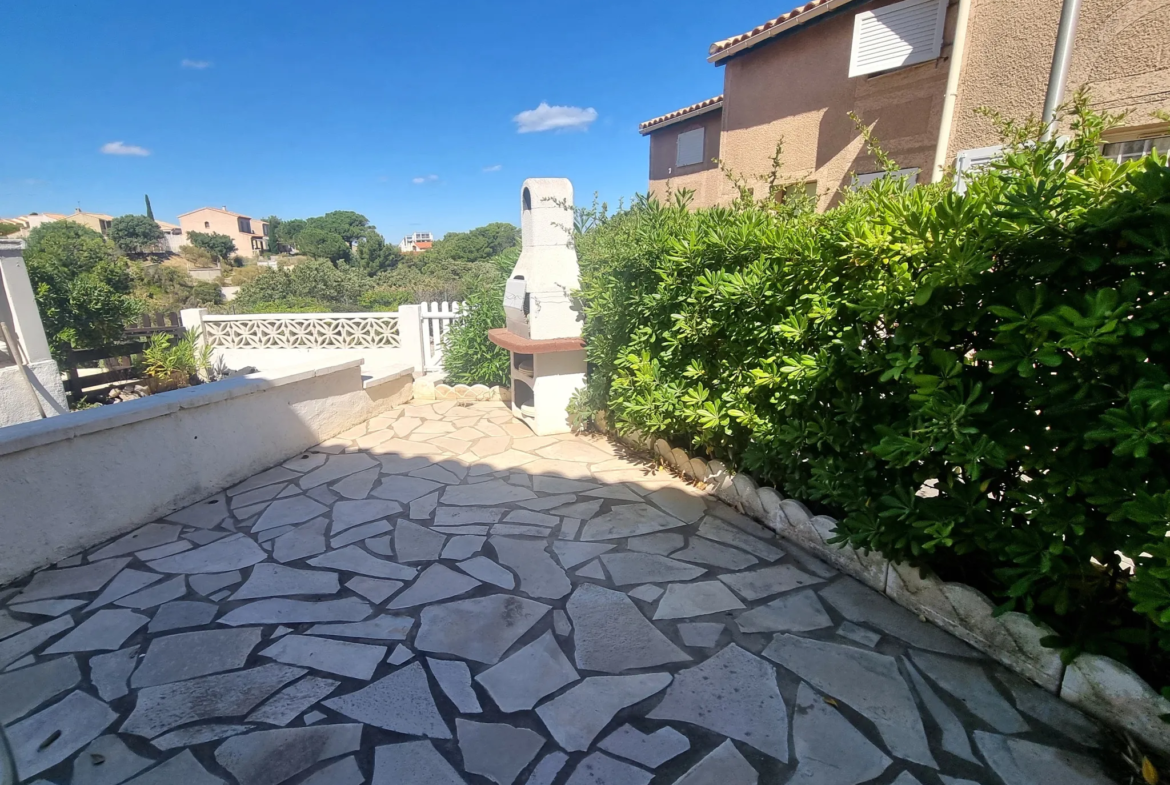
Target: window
1138, 148
897, 35
207, 224
245, 225
910, 176
969, 162
264, 227
690, 147
794, 190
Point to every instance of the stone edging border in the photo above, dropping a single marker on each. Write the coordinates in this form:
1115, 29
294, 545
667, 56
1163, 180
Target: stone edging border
1099, 686
433, 387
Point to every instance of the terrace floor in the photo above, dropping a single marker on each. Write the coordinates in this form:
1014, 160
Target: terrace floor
438, 596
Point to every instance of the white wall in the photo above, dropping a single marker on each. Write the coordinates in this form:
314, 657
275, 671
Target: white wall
71, 482
16, 402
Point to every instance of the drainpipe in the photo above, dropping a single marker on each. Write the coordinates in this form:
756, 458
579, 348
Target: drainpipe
1061, 61
958, 46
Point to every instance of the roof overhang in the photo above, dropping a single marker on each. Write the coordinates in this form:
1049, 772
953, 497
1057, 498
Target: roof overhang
679, 115
721, 51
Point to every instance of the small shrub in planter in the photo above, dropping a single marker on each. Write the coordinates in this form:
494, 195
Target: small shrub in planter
170, 365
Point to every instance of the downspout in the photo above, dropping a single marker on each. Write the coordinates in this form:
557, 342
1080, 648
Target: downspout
958, 47
1061, 62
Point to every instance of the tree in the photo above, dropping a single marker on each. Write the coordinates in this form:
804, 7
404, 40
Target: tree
373, 255
335, 287
149, 212
82, 286
322, 244
161, 288
135, 234
477, 245
7, 229
346, 224
282, 235
218, 245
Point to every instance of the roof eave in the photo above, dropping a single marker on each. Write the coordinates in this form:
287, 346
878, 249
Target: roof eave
644, 131
762, 37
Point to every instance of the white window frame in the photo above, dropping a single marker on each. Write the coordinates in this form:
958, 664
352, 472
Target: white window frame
923, 55
969, 162
701, 131
1147, 145
909, 175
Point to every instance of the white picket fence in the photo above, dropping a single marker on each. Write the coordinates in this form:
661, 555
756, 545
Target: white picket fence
436, 323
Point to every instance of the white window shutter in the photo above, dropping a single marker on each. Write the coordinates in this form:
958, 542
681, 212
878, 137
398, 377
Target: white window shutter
967, 162
908, 176
690, 147
897, 35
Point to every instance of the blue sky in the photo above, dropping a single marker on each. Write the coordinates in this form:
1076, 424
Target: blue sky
404, 112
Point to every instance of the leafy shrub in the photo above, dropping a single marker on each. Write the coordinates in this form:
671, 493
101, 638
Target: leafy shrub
385, 299
198, 257
170, 364
162, 288
468, 356
340, 286
973, 382
135, 234
220, 246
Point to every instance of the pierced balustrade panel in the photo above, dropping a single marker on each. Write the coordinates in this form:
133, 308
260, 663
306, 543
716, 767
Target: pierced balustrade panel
303, 331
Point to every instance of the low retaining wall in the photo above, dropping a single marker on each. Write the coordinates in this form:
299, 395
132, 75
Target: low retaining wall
433, 387
1098, 686
71, 482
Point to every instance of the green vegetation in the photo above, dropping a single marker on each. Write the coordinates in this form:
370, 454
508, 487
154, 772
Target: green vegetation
8, 228
165, 289
135, 234
468, 356
977, 382
169, 364
220, 246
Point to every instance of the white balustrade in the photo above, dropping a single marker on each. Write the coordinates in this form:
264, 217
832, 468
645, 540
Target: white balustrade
436, 323
302, 331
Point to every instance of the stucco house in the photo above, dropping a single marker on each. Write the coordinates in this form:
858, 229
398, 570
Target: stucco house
250, 234
416, 242
796, 78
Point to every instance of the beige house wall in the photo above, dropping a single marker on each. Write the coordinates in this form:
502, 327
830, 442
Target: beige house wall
90, 220
209, 220
1122, 54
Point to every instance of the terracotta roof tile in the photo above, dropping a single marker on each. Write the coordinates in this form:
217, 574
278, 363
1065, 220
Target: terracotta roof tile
720, 47
678, 113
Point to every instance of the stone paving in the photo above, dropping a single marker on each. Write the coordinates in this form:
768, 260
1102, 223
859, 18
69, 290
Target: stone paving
438, 596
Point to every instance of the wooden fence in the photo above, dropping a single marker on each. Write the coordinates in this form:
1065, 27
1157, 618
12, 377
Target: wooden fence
114, 363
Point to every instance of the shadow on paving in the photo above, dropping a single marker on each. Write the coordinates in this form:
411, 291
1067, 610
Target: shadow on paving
439, 596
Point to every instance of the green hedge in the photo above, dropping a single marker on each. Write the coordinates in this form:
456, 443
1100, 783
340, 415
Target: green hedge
973, 382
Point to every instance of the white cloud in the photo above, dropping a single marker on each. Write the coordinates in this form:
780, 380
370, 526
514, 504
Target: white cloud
198, 65
554, 118
121, 148
430, 178
493, 168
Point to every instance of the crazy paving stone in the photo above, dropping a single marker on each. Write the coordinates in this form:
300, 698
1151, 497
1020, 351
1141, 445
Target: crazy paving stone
547, 770
287, 705
405, 489
436, 583
685, 506
198, 734
612, 635
305, 540
662, 544
270, 757
454, 678
496, 750
486, 570
578, 715
970, 684
147, 536
714, 529
48, 584
702, 635
540, 576
582, 510
27, 688
109, 672
616, 492
480, 629
796, 612
17, 646
828, 749
531, 518
311, 718
537, 670
205, 514
646, 593
352, 558
723, 766
649, 749
592, 570
600, 769
127, 582
706, 552
356, 660
38, 608
546, 484
455, 516
322, 495
869, 682
106, 761
343, 772
159, 709
463, 547
270, 477
202, 537
373, 589
284, 512
357, 486
248, 498
686, 600
276, 580
211, 583
383, 546
412, 763
437, 474
416, 543
757, 584
1020, 762
516, 530
181, 768
547, 502
858, 634
363, 532
627, 568
569, 528
401, 464
70, 724
190, 654
382, 627
400, 702
230, 553
484, 493
400, 655
628, 520
858, 603
570, 554
10, 626
424, 507
1051, 711
733, 693
155, 595
106, 630
279, 611
164, 550
348, 514
336, 467
954, 735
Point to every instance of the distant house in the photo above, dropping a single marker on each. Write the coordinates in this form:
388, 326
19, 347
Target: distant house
249, 234
413, 243
796, 77
99, 222
172, 235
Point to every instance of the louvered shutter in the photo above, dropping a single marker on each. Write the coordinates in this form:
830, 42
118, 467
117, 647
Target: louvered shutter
897, 35
968, 162
690, 147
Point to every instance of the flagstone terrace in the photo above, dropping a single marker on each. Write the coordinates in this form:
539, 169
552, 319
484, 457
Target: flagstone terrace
438, 596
